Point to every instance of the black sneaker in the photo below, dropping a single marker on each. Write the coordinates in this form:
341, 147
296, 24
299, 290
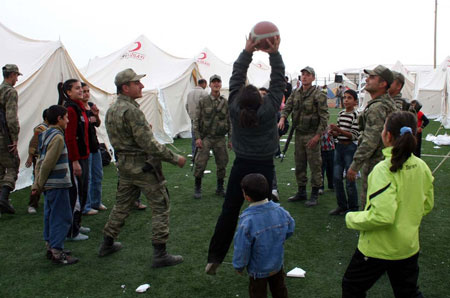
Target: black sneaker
337, 211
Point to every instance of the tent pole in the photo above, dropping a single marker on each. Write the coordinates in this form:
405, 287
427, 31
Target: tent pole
435, 29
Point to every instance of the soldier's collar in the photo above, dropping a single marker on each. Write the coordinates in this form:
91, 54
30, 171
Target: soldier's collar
128, 99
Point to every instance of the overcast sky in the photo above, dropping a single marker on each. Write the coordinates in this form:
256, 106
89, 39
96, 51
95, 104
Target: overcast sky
325, 34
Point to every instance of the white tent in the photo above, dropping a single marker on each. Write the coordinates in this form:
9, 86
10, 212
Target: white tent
209, 64
167, 83
44, 64
433, 93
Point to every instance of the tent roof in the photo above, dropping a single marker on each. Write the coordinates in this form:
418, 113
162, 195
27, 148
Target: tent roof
144, 57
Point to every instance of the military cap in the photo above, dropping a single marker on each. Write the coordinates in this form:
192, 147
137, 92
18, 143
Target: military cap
125, 76
399, 77
382, 72
11, 68
309, 69
215, 77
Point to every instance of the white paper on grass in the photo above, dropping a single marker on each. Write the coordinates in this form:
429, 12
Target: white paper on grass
207, 172
296, 272
438, 140
142, 288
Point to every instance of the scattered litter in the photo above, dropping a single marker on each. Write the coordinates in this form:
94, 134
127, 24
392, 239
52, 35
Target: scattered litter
187, 175
292, 169
207, 172
288, 184
142, 288
189, 155
296, 272
439, 140
176, 186
437, 147
122, 286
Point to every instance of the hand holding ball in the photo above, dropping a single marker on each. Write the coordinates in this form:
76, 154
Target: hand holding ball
262, 32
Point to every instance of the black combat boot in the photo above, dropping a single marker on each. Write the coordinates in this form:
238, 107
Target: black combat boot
220, 191
109, 246
5, 205
162, 259
314, 200
300, 195
198, 188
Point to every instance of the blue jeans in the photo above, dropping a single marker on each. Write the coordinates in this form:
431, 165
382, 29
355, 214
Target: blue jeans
343, 158
57, 216
94, 196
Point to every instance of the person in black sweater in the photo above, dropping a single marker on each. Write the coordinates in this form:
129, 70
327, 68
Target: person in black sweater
255, 141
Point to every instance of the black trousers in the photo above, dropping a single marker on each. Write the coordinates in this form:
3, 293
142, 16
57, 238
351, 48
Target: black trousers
418, 150
257, 287
78, 195
328, 168
227, 221
363, 272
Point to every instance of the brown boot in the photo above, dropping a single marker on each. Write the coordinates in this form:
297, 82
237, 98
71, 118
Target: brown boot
162, 259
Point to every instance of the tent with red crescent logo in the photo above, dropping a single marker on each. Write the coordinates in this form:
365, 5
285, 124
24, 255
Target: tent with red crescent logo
43, 64
168, 80
209, 64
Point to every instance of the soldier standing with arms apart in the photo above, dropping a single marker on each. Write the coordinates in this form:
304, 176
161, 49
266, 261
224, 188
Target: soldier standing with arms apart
139, 158
371, 123
308, 105
211, 124
193, 98
9, 134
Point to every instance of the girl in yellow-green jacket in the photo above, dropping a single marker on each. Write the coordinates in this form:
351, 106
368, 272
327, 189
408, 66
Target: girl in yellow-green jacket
400, 193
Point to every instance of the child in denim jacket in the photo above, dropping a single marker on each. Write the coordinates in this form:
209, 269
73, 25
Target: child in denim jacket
259, 239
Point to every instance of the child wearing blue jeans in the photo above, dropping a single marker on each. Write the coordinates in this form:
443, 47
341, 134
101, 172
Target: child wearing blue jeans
53, 179
258, 243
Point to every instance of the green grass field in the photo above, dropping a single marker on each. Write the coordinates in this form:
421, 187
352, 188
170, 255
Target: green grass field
321, 244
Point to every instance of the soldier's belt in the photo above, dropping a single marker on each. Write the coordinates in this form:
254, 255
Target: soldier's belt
131, 153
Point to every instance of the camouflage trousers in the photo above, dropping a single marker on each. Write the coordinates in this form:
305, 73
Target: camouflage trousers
9, 166
365, 171
219, 147
305, 156
133, 181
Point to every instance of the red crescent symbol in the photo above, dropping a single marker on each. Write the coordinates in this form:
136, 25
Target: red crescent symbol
260, 65
202, 56
137, 48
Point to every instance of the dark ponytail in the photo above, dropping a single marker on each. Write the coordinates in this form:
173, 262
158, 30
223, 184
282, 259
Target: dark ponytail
62, 90
249, 100
403, 126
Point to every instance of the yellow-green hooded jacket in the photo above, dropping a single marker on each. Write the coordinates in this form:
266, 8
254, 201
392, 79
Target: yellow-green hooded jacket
396, 203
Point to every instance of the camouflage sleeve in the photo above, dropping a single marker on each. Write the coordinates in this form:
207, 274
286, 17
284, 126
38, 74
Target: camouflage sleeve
197, 119
370, 138
12, 119
288, 107
323, 113
143, 136
230, 129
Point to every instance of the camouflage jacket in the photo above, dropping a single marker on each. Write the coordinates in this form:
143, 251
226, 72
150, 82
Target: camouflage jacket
130, 133
309, 110
212, 118
8, 103
403, 104
371, 123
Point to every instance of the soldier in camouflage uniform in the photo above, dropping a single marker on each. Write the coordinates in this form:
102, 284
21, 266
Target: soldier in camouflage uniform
401, 103
211, 124
309, 109
139, 158
9, 134
371, 123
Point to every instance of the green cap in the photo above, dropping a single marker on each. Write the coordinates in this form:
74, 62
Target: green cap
215, 77
11, 68
309, 69
382, 72
127, 75
399, 77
